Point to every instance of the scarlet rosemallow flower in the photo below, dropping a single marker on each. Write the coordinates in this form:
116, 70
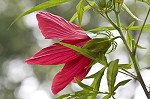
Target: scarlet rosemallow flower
76, 65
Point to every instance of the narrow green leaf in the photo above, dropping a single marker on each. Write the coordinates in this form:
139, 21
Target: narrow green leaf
146, 27
97, 80
122, 83
80, 11
101, 29
131, 24
79, 50
140, 47
107, 96
129, 39
136, 58
130, 13
146, 1
77, 95
111, 74
84, 86
125, 66
148, 67
86, 8
96, 74
47, 4
64, 96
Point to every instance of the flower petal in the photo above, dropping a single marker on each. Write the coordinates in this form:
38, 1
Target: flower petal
56, 53
81, 75
52, 55
56, 27
69, 71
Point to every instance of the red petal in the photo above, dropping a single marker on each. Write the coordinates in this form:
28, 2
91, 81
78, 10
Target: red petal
55, 54
69, 71
82, 74
77, 42
56, 27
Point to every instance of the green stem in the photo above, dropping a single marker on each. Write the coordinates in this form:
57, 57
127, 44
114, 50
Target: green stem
128, 75
141, 32
95, 9
131, 75
139, 77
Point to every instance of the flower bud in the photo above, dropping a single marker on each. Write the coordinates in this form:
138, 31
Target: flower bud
101, 3
119, 1
98, 45
104, 5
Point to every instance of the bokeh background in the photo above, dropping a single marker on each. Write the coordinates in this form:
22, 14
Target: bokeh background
19, 80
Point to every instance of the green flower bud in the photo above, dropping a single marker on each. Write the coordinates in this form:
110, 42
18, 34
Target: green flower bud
98, 45
119, 1
104, 5
101, 3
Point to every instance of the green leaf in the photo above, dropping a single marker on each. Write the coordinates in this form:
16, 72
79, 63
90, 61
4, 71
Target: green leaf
130, 13
107, 96
97, 80
122, 83
64, 96
111, 74
146, 1
101, 29
140, 47
77, 95
131, 24
96, 74
84, 86
47, 4
86, 8
146, 27
80, 10
148, 67
79, 50
125, 66
129, 39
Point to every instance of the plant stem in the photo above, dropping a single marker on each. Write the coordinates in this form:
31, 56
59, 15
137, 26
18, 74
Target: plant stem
128, 75
133, 76
141, 32
139, 77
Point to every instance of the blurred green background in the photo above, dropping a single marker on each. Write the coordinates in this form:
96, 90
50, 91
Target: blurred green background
19, 80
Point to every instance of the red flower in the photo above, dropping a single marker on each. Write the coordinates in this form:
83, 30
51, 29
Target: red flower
76, 65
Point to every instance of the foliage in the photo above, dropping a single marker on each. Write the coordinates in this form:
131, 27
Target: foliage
97, 48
